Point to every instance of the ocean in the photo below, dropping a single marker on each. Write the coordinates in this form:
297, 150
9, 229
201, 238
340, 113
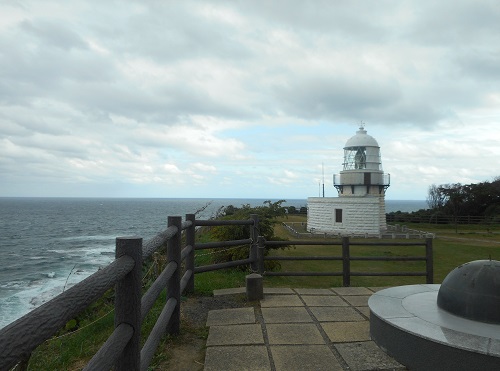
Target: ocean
49, 244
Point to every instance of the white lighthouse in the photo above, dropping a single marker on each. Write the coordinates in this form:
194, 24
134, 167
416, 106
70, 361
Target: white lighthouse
361, 185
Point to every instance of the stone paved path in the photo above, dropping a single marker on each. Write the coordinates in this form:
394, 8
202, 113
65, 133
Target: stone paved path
296, 329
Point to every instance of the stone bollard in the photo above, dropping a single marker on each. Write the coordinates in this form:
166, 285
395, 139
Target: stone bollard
255, 289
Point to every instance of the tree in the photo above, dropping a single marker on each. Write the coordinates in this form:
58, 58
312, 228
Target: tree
435, 198
459, 200
455, 195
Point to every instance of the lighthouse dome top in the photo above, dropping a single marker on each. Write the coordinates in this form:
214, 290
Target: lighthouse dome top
361, 139
362, 152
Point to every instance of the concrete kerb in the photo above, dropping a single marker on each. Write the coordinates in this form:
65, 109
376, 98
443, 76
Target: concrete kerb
233, 291
242, 290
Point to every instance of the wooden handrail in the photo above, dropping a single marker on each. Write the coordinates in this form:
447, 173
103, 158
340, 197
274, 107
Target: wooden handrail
121, 350
20, 338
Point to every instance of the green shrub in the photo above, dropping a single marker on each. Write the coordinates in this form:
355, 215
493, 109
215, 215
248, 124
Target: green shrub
268, 214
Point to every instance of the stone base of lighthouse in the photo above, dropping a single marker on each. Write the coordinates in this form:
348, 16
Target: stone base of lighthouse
347, 215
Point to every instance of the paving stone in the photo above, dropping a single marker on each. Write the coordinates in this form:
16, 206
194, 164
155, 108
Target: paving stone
237, 358
366, 355
306, 357
340, 332
236, 316
278, 290
286, 315
358, 301
281, 301
365, 311
233, 291
235, 335
314, 292
336, 314
294, 333
352, 291
324, 301
236, 341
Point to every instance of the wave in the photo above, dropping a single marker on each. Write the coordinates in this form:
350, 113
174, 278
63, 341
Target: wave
48, 245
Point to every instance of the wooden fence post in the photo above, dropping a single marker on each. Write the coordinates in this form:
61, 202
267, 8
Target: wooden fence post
260, 254
128, 301
190, 239
174, 284
346, 263
429, 262
254, 235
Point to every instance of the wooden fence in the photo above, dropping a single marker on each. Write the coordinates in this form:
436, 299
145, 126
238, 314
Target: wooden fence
122, 349
441, 219
347, 258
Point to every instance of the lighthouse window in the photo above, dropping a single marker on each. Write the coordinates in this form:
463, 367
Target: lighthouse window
338, 215
355, 158
360, 158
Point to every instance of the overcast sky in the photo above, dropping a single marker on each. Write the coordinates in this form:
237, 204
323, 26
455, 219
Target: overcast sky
244, 99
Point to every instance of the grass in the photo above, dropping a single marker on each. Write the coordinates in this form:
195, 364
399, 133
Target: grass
472, 242
72, 350
450, 249
205, 283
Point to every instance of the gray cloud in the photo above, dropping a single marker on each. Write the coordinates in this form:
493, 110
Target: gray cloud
455, 23
53, 33
92, 91
481, 65
336, 98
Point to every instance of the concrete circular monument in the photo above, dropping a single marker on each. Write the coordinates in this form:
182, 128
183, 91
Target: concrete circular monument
452, 326
472, 291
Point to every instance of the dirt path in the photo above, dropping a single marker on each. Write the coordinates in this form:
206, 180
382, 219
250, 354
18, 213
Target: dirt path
467, 239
